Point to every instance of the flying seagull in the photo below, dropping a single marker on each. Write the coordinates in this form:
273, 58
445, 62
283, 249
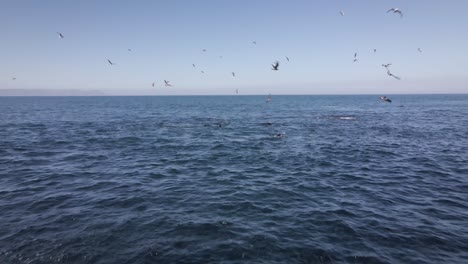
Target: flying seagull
202, 71
385, 99
110, 62
396, 11
166, 83
420, 50
275, 66
193, 65
390, 74
233, 74
60, 35
287, 58
342, 13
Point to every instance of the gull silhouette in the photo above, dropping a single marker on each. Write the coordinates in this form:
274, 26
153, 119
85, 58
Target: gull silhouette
386, 65
396, 11
390, 74
275, 66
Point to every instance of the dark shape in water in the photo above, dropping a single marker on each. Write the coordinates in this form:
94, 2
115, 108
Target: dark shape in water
385, 99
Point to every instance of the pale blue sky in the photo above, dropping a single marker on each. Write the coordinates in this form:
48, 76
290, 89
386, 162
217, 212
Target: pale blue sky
166, 37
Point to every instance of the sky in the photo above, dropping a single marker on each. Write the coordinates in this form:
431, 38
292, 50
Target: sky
167, 36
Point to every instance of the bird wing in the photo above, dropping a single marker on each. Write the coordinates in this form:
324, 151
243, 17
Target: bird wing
393, 9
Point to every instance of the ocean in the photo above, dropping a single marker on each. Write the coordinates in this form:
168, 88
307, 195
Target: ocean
234, 179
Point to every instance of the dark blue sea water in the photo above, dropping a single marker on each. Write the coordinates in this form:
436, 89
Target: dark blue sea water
350, 179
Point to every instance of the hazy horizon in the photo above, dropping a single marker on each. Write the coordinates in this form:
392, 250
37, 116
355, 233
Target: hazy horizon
78, 92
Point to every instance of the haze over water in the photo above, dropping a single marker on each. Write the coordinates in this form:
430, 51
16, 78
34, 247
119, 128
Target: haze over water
206, 180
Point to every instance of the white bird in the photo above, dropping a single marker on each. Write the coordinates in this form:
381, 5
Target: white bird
166, 83
396, 11
60, 35
342, 13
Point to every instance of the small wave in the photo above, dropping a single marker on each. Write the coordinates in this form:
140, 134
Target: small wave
347, 118
340, 117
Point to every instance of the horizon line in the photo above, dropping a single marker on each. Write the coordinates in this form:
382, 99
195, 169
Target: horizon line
181, 95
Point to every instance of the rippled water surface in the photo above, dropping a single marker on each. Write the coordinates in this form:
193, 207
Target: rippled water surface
302, 179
